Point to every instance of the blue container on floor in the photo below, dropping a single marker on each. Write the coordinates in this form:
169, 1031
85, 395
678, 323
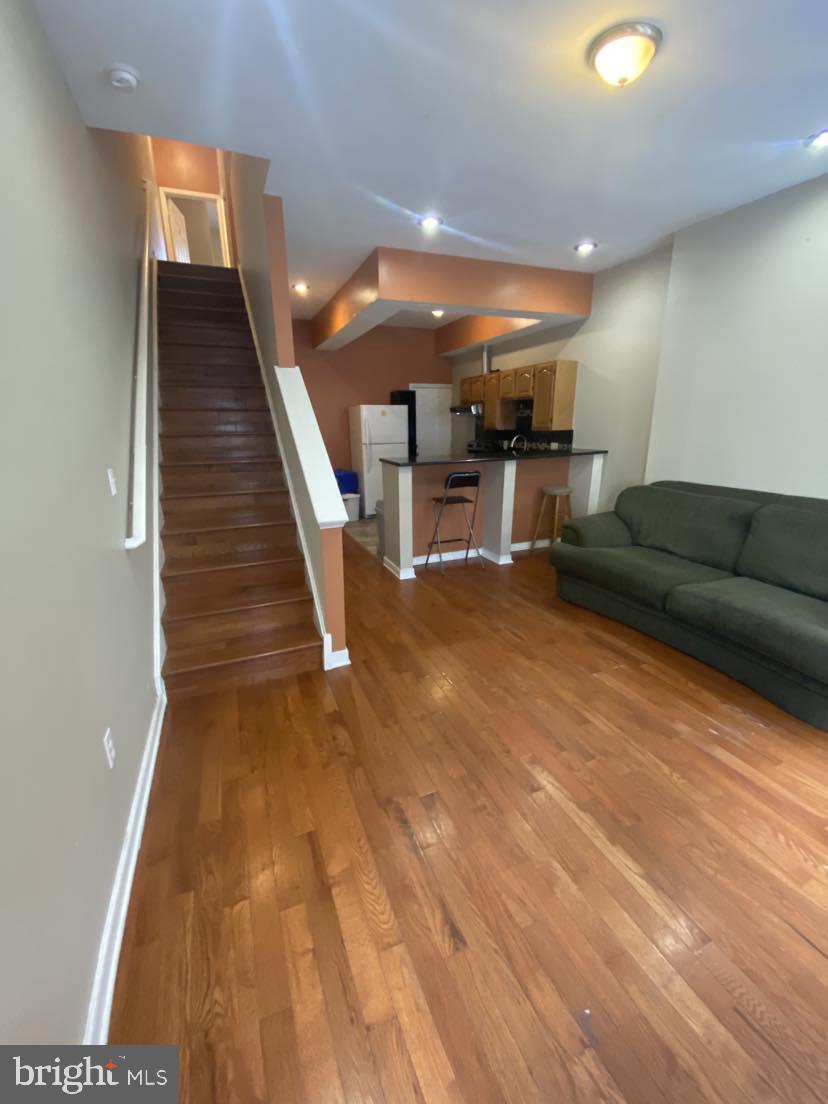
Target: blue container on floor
347, 480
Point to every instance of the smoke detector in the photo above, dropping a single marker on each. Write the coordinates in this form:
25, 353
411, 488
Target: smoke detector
123, 77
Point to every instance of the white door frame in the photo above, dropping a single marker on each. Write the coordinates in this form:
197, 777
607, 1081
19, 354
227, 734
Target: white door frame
171, 193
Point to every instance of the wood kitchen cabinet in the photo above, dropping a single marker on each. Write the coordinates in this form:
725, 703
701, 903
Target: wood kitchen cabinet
507, 384
492, 415
554, 395
471, 390
524, 382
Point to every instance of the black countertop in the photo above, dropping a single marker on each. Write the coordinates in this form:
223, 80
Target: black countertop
489, 457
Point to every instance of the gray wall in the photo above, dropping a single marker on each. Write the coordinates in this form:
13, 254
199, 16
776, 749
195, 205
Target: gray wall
76, 609
617, 350
742, 393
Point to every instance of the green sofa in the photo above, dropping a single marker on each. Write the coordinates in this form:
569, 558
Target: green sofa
738, 579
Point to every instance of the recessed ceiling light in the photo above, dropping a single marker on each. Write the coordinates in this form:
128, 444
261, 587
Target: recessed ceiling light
301, 288
123, 77
818, 141
621, 53
584, 248
430, 223
438, 313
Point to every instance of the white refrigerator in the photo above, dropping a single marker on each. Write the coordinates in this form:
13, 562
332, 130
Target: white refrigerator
376, 432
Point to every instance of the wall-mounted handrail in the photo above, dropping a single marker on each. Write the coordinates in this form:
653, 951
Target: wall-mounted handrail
137, 506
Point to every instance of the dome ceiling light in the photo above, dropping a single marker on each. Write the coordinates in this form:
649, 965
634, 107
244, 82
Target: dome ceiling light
621, 53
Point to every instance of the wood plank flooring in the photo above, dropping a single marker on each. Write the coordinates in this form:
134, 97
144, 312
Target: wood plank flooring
515, 853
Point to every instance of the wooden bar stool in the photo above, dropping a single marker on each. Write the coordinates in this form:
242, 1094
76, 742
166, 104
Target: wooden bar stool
557, 493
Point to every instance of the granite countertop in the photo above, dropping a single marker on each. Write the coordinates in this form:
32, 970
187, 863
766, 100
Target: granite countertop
488, 457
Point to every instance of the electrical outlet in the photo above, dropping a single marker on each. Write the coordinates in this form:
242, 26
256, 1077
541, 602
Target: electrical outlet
113, 484
109, 748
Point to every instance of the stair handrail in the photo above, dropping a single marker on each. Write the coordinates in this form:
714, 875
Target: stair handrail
137, 502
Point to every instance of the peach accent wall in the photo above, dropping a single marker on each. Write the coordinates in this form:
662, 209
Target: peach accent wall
410, 276
274, 222
475, 329
530, 477
354, 296
183, 165
386, 359
334, 597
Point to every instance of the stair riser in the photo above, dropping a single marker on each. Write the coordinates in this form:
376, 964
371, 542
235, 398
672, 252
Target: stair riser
215, 421
247, 672
182, 508
218, 448
198, 481
196, 272
213, 375
194, 631
224, 519
233, 319
170, 299
206, 356
235, 586
199, 549
204, 399
231, 337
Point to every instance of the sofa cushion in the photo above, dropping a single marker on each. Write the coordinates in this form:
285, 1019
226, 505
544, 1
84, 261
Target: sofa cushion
697, 527
780, 624
644, 574
788, 546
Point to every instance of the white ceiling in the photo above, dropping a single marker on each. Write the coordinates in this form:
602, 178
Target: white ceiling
483, 110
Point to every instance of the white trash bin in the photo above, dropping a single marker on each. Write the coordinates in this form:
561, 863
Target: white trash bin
351, 502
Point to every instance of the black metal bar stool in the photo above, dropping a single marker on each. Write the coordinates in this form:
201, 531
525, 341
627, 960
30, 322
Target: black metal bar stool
454, 481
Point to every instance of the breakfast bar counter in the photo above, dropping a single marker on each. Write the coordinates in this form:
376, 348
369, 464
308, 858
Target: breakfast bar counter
510, 494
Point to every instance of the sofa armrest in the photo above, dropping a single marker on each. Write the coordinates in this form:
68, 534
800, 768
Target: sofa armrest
597, 531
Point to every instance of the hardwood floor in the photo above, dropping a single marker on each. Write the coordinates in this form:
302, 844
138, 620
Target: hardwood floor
516, 852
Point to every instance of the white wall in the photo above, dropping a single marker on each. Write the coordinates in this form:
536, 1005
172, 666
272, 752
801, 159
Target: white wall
76, 609
742, 395
617, 350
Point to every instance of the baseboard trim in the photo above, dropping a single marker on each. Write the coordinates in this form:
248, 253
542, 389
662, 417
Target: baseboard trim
401, 573
457, 554
494, 558
524, 546
333, 657
96, 1030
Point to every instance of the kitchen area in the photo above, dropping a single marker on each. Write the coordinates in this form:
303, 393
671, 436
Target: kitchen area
515, 428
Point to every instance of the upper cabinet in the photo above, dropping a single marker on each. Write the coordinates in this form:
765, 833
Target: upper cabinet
524, 382
507, 384
492, 412
471, 390
554, 395
550, 386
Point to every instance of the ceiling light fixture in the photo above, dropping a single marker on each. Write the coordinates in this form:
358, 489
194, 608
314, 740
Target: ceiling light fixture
430, 223
621, 53
123, 77
818, 141
584, 248
438, 313
301, 288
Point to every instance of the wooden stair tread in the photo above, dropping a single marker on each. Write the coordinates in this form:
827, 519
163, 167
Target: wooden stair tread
212, 521
198, 271
185, 495
224, 465
250, 646
221, 523
242, 559
187, 607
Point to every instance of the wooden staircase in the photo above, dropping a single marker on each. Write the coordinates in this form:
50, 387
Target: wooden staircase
238, 609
